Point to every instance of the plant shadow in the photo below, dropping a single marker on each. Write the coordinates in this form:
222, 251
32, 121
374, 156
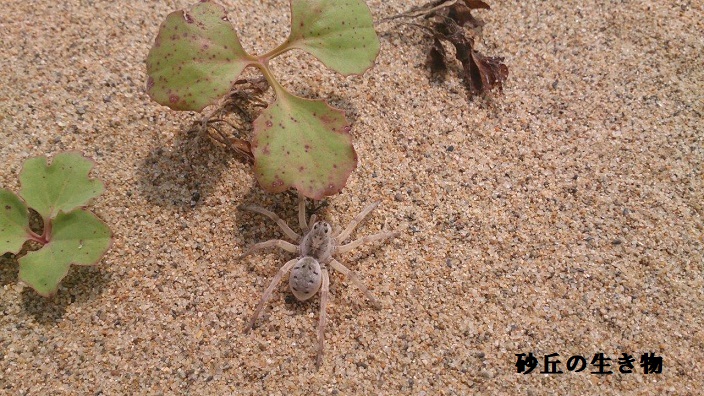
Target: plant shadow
82, 284
9, 269
179, 177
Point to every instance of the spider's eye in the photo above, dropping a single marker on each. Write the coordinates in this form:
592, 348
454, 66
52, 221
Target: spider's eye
326, 230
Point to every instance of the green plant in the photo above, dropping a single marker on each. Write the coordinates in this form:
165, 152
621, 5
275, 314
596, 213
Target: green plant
302, 143
70, 235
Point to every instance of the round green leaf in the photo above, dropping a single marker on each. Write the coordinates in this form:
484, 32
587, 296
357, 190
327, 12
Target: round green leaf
302, 143
195, 59
338, 32
77, 237
62, 186
14, 222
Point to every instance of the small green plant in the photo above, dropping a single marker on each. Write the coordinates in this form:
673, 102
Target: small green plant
70, 235
302, 143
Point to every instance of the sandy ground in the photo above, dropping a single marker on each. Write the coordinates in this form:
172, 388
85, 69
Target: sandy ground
562, 217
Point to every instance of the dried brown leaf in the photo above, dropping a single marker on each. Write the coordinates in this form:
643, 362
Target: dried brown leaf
476, 4
437, 58
452, 21
463, 16
485, 73
236, 113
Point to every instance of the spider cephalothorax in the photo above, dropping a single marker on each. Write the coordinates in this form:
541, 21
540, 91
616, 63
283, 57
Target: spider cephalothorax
318, 241
309, 273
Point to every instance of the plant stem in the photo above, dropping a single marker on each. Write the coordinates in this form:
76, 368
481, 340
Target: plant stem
264, 68
285, 46
38, 238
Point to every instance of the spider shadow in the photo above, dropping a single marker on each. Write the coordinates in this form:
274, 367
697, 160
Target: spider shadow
180, 177
294, 307
300, 308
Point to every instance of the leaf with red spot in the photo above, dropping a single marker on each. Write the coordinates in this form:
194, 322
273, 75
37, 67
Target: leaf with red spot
302, 143
196, 58
297, 142
338, 32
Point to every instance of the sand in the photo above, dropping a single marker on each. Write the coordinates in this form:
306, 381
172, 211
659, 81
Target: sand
564, 216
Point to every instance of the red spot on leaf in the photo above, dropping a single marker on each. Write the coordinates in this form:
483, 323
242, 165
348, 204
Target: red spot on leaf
173, 98
327, 119
150, 83
187, 17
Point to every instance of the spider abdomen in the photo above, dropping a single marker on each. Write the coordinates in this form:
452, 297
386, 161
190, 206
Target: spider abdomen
305, 278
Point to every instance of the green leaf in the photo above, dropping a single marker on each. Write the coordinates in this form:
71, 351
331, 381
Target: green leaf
77, 237
14, 222
338, 32
62, 186
195, 59
302, 143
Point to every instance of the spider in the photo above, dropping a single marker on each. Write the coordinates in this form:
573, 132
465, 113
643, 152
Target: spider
315, 250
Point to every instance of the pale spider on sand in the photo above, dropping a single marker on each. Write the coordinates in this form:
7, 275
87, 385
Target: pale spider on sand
309, 271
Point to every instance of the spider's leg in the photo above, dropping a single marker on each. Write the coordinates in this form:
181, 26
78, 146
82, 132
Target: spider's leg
282, 224
324, 292
367, 239
267, 293
302, 212
355, 222
355, 279
287, 246
313, 219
